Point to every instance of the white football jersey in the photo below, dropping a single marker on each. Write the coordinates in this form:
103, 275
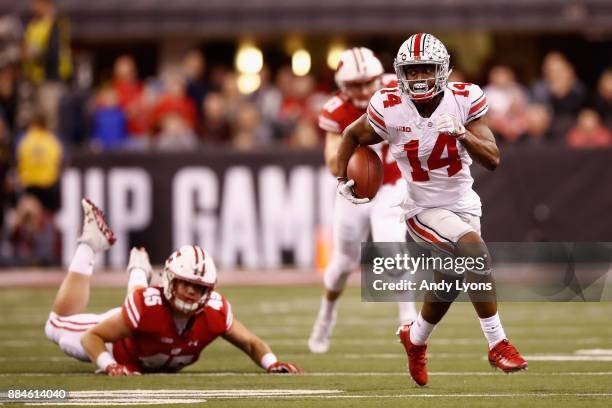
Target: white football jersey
435, 165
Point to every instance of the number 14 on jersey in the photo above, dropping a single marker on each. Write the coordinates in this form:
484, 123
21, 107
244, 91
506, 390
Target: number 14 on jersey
435, 159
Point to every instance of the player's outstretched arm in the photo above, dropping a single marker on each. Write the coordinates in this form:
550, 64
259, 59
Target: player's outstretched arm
258, 350
110, 330
357, 133
480, 144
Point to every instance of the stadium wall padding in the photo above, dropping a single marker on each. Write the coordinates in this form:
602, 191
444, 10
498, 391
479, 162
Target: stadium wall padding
266, 209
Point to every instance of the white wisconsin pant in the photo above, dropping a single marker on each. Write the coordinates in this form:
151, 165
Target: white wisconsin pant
353, 222
66, 331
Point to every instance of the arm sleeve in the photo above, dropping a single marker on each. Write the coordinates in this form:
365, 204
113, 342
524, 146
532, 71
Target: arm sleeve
375, 117
478, 104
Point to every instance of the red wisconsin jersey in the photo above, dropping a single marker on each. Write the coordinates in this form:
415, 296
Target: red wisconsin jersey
155, 344
339, 112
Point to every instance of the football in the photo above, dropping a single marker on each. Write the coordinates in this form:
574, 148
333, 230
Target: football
366, 169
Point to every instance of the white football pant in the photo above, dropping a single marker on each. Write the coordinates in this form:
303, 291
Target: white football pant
66, 331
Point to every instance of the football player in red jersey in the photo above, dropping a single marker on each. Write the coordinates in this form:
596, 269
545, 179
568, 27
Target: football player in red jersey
359, 75
158, 328
434, 130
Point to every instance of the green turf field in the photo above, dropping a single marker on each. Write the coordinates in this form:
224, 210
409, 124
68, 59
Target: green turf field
568, 345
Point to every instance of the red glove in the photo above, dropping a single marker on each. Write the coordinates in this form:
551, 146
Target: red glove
284, 368
118, 370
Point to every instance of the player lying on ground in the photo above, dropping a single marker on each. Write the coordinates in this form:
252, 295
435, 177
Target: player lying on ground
358, 76
434, 130
158, 329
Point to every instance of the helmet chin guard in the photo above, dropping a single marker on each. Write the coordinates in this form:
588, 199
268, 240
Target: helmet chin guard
191, 264
422, 49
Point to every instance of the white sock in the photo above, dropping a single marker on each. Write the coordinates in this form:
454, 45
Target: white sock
83, 260
407, 312
138, 277
493, 330
328, 307
421, 331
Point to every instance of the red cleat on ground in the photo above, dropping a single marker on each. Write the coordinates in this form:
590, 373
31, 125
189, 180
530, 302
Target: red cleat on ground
416, 356
506, 357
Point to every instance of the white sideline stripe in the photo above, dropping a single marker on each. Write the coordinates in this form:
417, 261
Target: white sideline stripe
330, 374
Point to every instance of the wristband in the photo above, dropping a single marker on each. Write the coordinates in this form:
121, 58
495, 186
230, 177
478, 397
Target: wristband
267, 360
104, 360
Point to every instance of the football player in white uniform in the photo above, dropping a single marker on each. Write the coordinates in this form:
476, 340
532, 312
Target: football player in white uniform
434, 130
359, 75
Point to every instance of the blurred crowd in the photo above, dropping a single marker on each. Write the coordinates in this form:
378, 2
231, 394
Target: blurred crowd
557, 108
45, 111
180, 110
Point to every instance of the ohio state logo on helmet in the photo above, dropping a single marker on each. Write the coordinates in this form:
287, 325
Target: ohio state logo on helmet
422, 48
191, 264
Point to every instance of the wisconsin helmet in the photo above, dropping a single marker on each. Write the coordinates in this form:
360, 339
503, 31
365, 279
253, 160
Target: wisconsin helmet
191, 264
357, 65
422, 48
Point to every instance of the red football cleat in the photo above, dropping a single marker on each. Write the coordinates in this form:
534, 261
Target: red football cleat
416, 356
506, 357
